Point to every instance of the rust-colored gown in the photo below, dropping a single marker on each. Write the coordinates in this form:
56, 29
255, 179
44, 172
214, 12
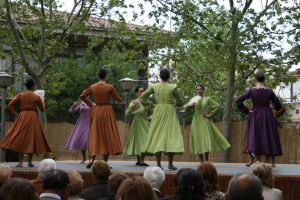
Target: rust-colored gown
103, 136
26, 134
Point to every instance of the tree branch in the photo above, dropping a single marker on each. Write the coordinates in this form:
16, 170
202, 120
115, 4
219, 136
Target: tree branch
247, 5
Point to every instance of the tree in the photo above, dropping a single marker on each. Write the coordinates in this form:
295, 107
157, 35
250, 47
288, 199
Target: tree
38, 31
224, 42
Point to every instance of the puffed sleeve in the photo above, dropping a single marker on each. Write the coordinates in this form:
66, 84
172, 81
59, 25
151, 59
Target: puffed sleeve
275, 101
74, 108
115, 94
179, 101
85, 94
40, 104
240, 101
214, 107
12, 103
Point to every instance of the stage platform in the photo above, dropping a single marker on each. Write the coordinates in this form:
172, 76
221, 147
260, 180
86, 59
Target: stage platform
287, 176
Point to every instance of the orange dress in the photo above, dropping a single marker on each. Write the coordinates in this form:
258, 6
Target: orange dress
103, 135
26, 134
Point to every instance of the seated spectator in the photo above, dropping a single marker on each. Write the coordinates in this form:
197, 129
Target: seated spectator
114, 182
264, 173
101, 172
55, 185
5, 174
76, 185
135, 188
210, 178
44, 166
189, 185
244, 187
18, 189
155, 177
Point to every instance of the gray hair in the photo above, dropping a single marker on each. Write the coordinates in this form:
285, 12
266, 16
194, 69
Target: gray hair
245, 186
155, 176
46, 165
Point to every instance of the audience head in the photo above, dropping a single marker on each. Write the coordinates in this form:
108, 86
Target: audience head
5, 173
76, 183
114, 182
101, 170
164, 74
189, 184
135, 188
260, 77
56, 181
263, 172
210, 176
245, 187
155, 176
30, 84
44, 166
16, 189
102, 74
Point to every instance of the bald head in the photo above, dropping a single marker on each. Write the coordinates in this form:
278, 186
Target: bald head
244, 187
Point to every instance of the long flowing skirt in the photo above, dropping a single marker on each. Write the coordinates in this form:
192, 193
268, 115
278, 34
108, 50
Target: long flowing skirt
137, 136
165, 133
26, 135
103, 136
205, 136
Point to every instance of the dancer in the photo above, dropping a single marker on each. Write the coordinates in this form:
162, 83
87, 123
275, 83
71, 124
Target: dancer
205, 137
138, 130
79, 135
262, 133
164, 134
103, 135
26, 134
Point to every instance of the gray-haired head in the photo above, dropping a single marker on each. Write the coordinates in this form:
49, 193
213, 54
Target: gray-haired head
244, 186
155, 176
46, 165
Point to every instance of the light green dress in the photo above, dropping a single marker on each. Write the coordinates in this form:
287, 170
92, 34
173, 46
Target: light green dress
165, 132
138, 130
205, 136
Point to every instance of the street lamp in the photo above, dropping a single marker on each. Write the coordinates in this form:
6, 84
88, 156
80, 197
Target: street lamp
127, 84
5, 81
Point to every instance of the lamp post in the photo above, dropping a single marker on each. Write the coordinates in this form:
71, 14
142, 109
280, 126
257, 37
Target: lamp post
126, 84
5, 81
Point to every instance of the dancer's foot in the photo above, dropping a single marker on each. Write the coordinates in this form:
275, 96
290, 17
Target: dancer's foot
273, 165
137, 163
89, 165
19, 165
30, 165
143, 164
172, 167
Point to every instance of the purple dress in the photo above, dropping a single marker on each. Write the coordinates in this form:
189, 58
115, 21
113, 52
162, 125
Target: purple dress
262, 133
79, 135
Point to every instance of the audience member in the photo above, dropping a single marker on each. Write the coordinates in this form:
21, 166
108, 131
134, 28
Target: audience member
135, 188
101, 172
5, 173
55, 185
44, 166
155, 177
18, 189
244, 187
75, 186
210, 178
114, 182
264, 173
189, 185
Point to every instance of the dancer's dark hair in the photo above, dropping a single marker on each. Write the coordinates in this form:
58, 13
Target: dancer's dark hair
164, 74
30, 83
260, 77
102, 73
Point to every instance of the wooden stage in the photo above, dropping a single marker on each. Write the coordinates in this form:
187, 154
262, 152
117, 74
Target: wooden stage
287, 176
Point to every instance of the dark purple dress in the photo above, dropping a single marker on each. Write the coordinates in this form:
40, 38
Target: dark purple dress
262, 133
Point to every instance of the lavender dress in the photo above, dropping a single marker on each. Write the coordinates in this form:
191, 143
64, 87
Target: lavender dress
79, 135
262, 133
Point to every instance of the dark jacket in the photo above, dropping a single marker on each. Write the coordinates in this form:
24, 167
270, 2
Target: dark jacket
96, 191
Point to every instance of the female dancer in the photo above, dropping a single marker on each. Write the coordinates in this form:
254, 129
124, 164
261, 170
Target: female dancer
79, 135
26, 134
164, 134
205, 137
138, 130
103, 135
262, 133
